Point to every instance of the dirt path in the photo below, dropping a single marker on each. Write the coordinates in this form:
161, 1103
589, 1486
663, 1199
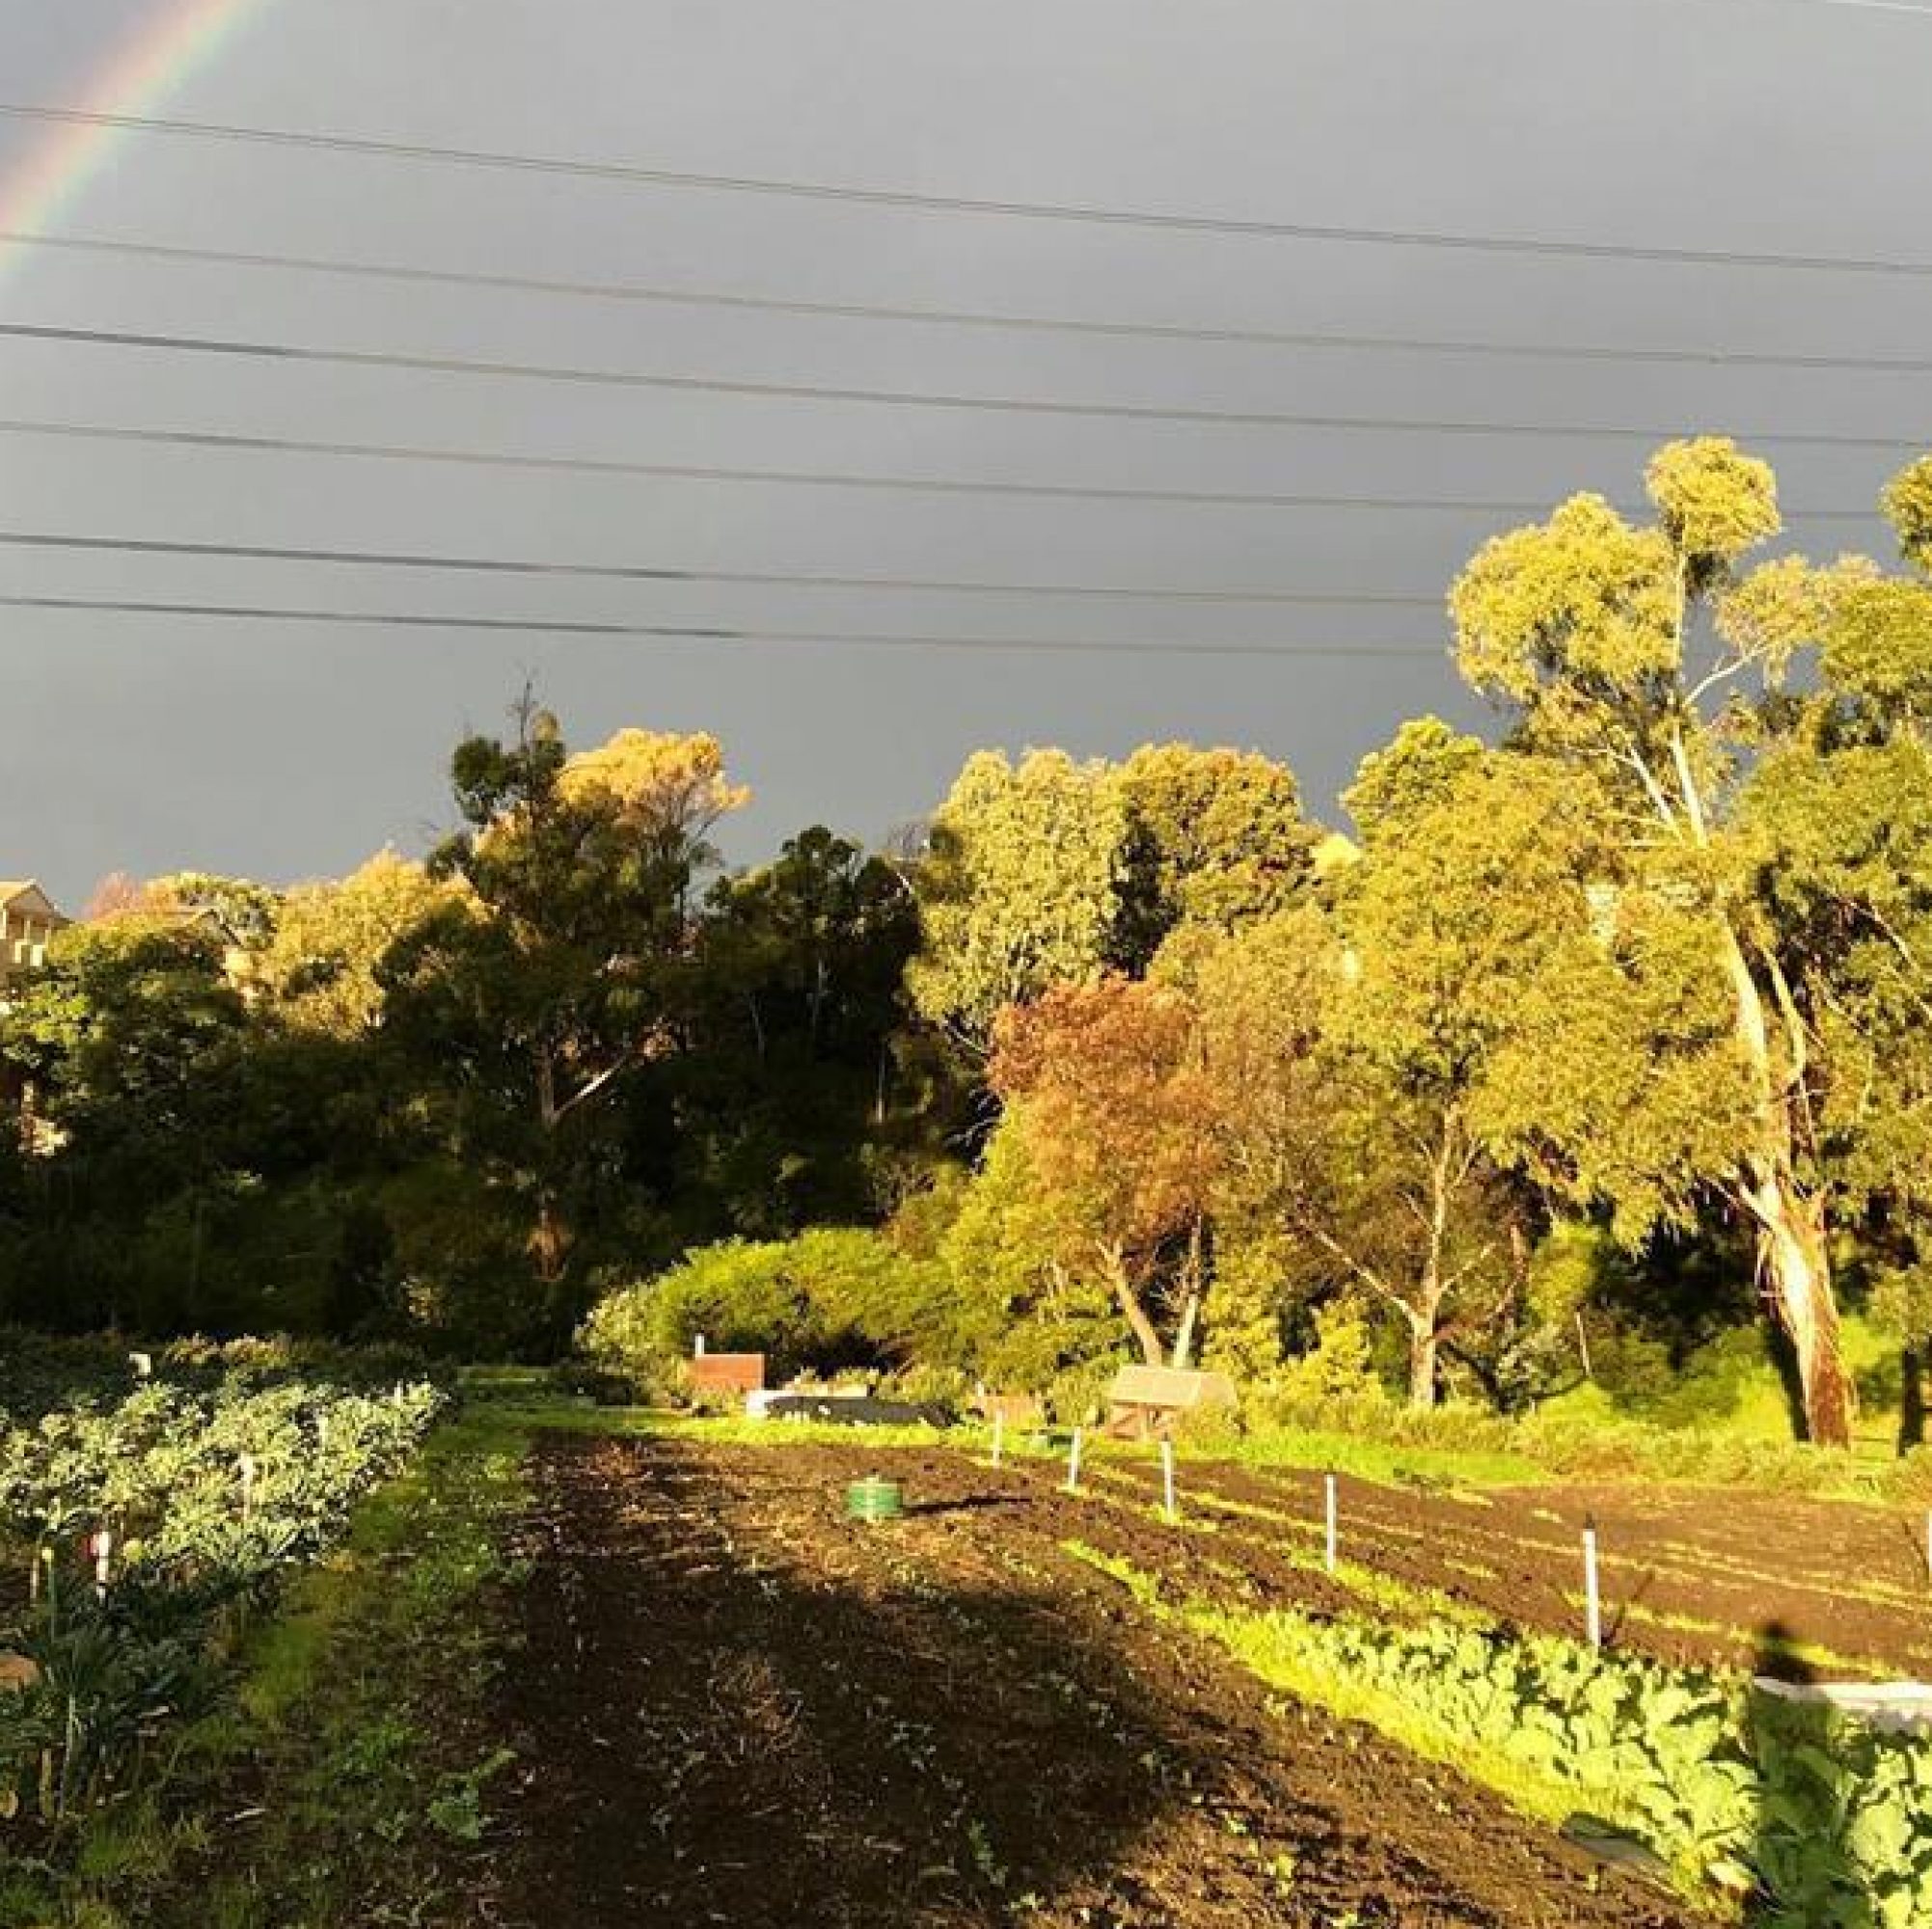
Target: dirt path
732, 1707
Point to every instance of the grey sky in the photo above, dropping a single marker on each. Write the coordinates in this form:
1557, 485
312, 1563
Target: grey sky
1788, 125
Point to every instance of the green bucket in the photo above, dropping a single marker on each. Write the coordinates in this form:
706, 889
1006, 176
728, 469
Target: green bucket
874, 1499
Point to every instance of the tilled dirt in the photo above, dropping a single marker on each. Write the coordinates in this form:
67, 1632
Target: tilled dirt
733, 1706
1687, 1575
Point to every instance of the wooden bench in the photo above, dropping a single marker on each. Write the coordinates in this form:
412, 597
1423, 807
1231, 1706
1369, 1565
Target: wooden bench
1143, 1401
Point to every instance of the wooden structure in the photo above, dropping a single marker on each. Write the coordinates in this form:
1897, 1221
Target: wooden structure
727, 1372
1147, 1400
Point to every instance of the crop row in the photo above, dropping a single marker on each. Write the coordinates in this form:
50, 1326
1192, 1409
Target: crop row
1820, 1817
137, 1535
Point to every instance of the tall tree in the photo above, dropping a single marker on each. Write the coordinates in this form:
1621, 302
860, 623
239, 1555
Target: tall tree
1215, 840
559, 972
1350, 1047
1630, 654
791, 1093
1018, 890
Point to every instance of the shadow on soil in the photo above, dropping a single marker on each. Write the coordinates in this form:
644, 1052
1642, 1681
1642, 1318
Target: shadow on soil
729, 1737
967, 1504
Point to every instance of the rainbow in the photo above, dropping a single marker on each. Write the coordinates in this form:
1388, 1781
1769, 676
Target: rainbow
145, 65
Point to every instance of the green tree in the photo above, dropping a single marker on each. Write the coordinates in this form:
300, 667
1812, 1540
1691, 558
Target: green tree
560, 970
1018, 889
1629, 655
1215, 840
117, 1037
322, 966
1056, 873
1350, 1049
792, 1094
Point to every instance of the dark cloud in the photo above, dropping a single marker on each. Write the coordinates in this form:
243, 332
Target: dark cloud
1755, 124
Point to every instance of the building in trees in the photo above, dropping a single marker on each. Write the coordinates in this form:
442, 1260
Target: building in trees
28, 920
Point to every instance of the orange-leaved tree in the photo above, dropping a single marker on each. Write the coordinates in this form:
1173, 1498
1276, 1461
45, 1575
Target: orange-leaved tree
1105, 1083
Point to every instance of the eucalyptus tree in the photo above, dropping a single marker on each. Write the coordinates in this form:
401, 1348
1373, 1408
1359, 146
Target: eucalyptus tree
1703, 1062
1355, 1046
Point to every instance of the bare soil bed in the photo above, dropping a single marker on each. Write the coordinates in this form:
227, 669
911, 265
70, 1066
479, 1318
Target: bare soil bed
1744, 1579
733, 1706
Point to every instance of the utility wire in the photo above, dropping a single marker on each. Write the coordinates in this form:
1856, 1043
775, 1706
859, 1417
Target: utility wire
920, 201
936, 485
970, 318
740, 578
814, 392
677, 632
1863, 6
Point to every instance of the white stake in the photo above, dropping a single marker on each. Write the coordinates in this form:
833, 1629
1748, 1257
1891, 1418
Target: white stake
1167, 1477
1330, 1545
1593, 1599
1073, 1464
245, 1466
101, 1546
998, 1434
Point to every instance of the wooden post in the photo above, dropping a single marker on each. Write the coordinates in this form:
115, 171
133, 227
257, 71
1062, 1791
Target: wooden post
1167, 1477
101, 1546
998, 1434
1592, 1599
1073, 1463
245, 1466
1329, 1483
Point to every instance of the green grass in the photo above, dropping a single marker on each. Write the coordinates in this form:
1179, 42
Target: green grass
1387, 1463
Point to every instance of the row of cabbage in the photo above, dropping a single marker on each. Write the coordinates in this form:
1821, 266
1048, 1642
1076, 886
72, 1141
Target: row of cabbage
138, 1534
1803, 1815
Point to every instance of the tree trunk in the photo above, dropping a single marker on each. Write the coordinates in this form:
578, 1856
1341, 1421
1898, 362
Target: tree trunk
1912, 1401
1792, 1242
1135, 1313
1790, 1225
1423, 1345
1183, 1337
550, 1241
1193, 1287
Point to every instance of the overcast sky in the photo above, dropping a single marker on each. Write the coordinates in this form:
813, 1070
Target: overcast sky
1795, 126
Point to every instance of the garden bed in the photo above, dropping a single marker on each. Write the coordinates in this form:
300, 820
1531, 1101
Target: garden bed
734, 1705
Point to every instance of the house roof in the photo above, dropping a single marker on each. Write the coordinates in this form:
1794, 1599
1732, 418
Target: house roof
13, 891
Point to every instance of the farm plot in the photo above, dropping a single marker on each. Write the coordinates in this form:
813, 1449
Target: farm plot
732, 1705
1748, 1580
144, 1524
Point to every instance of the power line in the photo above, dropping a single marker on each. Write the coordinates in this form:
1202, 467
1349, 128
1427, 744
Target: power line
692, 632
937, 485
1865, 6
920, 201
755, 579
814, 392
1317, 340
